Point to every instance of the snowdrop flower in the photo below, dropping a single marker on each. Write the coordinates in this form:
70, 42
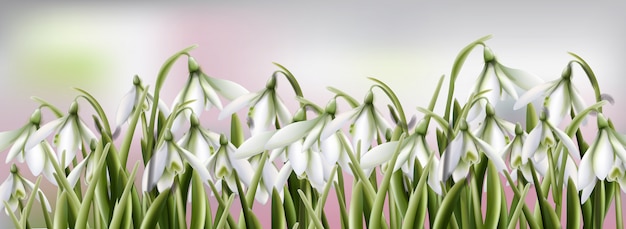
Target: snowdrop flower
512, 152
366, 122
463, 152
15, 189
600, 159
265, 108
414, 147
130, 102
200, 141
203, 91
494, 130
167, 162
542, 137
501, 80
36, 158
561, 96
70, 134
223, 163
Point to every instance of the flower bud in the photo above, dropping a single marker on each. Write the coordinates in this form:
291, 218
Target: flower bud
168, 135
223, 139
73, 108
300, 115
136, 80
518, 129
369, 97
194, 122
14, 168
488, 55
192, 65
567, 72
35, 118
271, 83
490, 110
331, 107
602, 122
93, 144
463, 125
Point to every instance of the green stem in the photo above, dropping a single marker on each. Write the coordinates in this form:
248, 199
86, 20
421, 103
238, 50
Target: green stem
619, 220
396, 102
592, 76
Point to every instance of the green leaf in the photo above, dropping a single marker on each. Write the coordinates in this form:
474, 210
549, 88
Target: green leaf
356, 206
548, 215
448, 205
61, 214
290, 210
309, 210
413, 211
123, 205
29, 204
198, 202
494, 198
83, 213
236, 131
518, 208
573, 205
222, 221
278, 213
153, 215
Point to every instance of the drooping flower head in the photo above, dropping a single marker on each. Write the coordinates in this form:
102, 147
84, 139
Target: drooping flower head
70, 134
560, 97
266, 108
602, 160
15, 189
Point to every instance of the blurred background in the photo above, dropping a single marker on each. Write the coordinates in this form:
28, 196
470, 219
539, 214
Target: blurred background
48, 49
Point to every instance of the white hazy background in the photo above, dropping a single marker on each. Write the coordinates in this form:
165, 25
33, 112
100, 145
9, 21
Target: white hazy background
47, 49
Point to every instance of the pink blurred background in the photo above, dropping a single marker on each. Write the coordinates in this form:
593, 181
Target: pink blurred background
47, 49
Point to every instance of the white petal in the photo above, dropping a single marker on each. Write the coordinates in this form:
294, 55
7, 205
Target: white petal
603, 157
73, 177
263, 114
210, 94
585, 171
270, 175
6, 188
237, 104
532, 142
165, 181
314, 134
340, 121
244, 170
331, 148
567, 141
196, 94
452, 156
491, 154
254, 145
36, 159
126, 107
8, 137
577, 101
492, 84
364, 131
460, 171
433, 176
505, 83
43, 132
587, 192
378, 155
282, 113
68, 141
533, 94
230, 90
196, 164
299, 159
85, 133
291, 133
558, 104
158, 163
18, 146
315, 171
617, 147
521, 78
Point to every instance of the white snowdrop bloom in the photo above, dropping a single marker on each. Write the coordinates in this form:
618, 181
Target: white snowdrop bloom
560, 97
200, 141
512, 153
203, 91
600, 158
366, 122
463, 152
542, 137
15, 189
131, 101
499, 81
265, 108
494, 130
414, 147
36, 158
70, 135
222, 165
167, 162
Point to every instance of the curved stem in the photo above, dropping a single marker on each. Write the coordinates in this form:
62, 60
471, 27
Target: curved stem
157, 91
292, 79
456, 68
590, 75
98, 108
396, 102
52, 108
338, 93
